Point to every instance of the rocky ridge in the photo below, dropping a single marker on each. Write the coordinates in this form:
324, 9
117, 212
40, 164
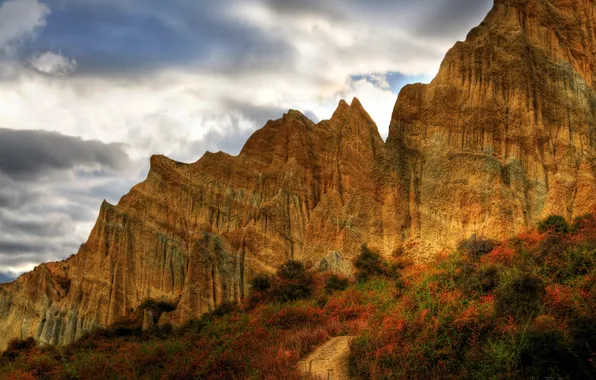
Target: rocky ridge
502, 137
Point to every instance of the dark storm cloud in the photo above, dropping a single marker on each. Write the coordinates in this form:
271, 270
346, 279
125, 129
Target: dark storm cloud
30, 154
8, 247
14, 195
44, 192
34, 227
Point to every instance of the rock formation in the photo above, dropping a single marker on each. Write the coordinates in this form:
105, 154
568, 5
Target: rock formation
502, 137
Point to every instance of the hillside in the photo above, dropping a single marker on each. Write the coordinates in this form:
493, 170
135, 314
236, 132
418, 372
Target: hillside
521, 308
499, 140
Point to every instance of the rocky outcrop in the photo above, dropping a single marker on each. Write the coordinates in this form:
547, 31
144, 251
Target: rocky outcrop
502, 137
197, 233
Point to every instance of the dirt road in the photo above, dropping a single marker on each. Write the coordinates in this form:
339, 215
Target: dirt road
333, 356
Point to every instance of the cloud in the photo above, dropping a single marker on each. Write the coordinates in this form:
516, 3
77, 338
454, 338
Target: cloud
19, 20
53, 64
29, 154
51, 186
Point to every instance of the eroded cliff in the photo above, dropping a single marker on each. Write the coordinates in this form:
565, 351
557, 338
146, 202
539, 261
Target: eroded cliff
502, 137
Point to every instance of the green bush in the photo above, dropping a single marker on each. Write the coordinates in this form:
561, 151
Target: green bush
290, 291
587, 221
260, 283
553, 224
369, 264
544, 354
16, 346
489, 278
582, 340
335, 282
224, 309
475, 247
466, 277
552, 245
293, 282
520, 297
292, 270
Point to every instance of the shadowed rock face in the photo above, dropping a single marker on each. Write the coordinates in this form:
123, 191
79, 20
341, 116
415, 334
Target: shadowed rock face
502, 137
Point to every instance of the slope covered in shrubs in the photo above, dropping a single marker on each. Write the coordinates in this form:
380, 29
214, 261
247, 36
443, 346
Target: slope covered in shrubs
523, 308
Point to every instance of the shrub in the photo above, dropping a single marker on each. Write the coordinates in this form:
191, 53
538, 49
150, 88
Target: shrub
584, 223
292, 291
520, 297
292, 270
552, 245
295, 317
335, 282
489, 278
553, 224
260, 283
475, 247
368, 263
17, 346
466, 277
224, 309
543, 353
293, 282
502, 254
582, 336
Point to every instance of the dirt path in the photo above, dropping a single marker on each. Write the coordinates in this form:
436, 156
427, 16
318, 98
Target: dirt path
333, 356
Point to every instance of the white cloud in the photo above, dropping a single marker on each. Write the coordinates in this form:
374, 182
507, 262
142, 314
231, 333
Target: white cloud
53, 64
19, 19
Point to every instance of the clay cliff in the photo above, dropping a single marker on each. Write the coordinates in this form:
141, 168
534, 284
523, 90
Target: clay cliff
504, 134
502, 137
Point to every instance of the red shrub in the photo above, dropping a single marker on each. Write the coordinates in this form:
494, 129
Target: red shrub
500, 255
296, 317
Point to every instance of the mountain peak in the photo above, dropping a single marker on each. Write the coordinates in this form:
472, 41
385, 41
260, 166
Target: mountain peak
355, 102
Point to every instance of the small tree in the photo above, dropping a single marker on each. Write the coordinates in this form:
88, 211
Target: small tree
335, 282
368, 263
475, 247
520, 297
554, 224
292, 270
293, 282
260, 283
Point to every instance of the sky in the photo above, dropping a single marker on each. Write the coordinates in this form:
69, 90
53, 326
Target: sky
90, 89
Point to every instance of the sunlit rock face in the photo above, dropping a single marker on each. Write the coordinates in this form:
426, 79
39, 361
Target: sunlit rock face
195, 234
502, 137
